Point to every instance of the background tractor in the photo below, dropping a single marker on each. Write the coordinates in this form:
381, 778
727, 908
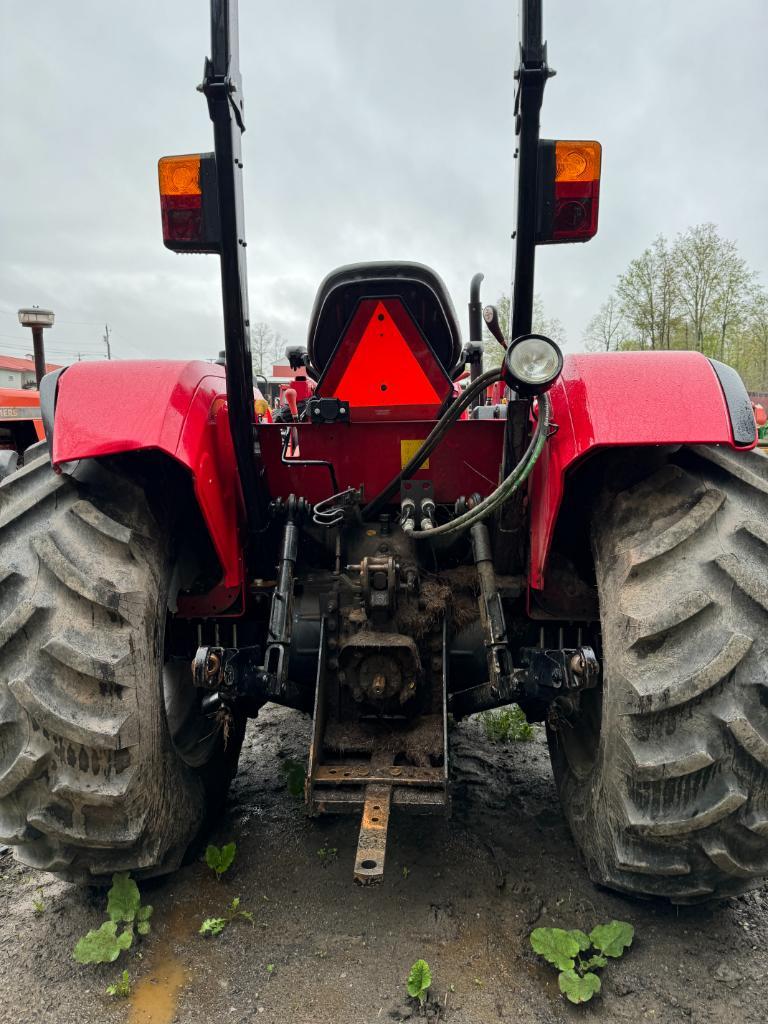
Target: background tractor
20, 425
389, 554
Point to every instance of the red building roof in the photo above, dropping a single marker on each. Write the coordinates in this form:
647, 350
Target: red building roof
18, 365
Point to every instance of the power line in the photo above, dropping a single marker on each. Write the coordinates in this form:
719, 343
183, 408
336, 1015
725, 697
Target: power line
14, 339
14, 349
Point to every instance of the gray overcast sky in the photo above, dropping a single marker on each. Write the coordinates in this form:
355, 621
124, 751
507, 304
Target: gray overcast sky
374, 130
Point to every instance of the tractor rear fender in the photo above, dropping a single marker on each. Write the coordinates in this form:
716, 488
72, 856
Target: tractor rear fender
610, 400
178, 408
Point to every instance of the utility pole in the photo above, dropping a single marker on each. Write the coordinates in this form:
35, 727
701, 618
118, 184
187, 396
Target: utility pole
37, 320
106, 341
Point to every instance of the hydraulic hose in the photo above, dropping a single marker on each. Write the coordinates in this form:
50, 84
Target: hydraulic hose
433, 440
506, 488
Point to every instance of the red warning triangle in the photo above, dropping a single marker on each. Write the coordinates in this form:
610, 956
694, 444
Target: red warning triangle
383, 369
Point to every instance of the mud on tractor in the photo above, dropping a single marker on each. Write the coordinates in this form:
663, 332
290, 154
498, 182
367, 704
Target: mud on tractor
389, 555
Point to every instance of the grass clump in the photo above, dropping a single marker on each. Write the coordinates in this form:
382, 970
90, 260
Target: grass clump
508, 725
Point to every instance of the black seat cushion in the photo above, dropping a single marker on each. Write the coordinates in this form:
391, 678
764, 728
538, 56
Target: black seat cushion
419, 288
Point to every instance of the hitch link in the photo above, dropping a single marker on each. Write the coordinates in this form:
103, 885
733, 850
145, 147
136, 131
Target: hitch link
500, 671
542, 675
234, 672
281, 612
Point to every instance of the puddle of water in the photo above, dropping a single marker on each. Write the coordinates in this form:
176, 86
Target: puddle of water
153, 1000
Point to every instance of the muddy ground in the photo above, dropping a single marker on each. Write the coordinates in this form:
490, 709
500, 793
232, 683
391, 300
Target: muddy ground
463, 894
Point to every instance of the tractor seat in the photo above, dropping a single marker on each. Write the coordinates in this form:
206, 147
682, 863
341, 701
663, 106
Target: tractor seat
420, 289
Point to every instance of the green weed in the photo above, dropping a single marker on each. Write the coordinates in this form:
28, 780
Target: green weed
327, 855
564, 949
507, 725
216, 925
419, 980
103, 945
295, 776
121, 988
219, 859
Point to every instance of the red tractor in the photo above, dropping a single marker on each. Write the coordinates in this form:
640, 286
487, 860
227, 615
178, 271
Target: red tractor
387, 556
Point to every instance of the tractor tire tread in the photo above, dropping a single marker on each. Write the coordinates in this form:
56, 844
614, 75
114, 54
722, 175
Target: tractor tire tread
89, 781
680, 784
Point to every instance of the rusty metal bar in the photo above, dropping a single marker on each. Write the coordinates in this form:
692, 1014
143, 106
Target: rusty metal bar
364, 774
318, 723
372, 842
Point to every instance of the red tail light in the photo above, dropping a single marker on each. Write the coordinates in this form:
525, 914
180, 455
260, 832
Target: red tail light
188, 203
569, 191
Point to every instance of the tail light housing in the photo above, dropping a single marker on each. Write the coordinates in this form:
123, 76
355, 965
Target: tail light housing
189, 203
568, 191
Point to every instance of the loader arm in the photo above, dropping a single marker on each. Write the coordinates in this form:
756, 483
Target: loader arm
222, 86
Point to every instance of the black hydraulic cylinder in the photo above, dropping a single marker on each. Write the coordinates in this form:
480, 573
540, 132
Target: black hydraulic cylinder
491, 608
281, 611
279, 618
491, 611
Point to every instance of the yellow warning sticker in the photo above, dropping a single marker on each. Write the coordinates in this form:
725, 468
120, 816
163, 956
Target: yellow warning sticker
407, 450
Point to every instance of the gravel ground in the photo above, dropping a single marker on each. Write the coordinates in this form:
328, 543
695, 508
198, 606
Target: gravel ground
463, 895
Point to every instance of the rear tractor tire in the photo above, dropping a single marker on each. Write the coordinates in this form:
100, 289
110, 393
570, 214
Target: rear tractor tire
664, 773
107, 761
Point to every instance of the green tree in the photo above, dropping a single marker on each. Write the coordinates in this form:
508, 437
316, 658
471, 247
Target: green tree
695, 258
699, 293
646, 297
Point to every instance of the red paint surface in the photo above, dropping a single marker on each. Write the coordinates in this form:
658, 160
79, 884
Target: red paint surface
369, 454
179, 408
621, 398
174, 407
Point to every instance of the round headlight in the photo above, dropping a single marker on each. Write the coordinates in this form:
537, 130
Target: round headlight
532, 363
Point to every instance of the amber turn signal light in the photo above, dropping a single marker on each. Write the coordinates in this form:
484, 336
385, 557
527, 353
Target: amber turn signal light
568, 191
189, 203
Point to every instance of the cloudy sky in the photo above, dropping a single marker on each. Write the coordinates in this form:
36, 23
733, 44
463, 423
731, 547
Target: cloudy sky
374, 130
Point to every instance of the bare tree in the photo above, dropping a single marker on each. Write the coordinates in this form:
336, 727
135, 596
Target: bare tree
603, 331
548, 325
540, 324
266, 347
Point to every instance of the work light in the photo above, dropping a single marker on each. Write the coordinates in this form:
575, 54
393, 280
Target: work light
532, 363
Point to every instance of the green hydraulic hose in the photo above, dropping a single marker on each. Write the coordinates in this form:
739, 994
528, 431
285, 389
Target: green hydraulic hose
506, 488
435, 437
